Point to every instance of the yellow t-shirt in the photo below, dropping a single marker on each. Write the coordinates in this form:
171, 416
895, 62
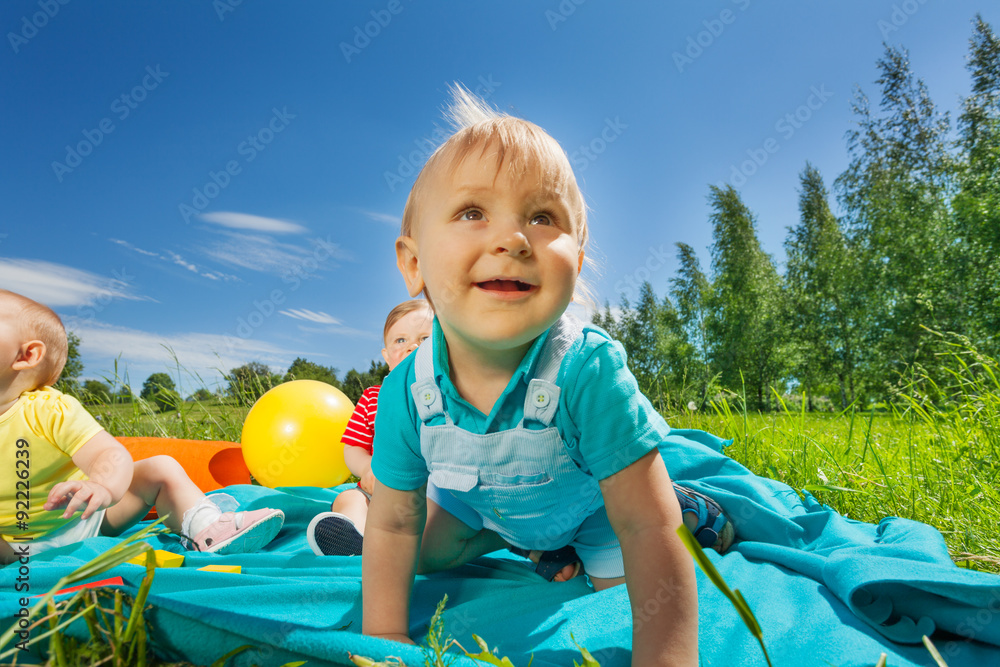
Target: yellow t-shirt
51, 427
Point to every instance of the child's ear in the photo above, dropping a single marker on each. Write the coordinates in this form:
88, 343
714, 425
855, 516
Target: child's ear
29, 355
409, 265
579, 263
385, 355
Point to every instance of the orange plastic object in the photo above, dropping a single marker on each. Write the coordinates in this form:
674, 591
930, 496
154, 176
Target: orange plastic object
113, 581
211, 464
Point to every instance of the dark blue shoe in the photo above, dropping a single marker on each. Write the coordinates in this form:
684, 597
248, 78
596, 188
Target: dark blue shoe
714, 530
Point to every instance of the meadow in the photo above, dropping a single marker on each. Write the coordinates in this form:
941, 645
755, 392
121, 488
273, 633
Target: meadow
931, 455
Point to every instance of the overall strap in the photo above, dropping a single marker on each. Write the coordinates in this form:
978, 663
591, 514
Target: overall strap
426, 395
542, 399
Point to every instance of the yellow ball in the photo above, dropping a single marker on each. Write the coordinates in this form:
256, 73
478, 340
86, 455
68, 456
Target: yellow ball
291, 436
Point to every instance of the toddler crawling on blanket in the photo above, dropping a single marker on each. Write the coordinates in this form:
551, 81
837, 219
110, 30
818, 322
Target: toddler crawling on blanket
58, 461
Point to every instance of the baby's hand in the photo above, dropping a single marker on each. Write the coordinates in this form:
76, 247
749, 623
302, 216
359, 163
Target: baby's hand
87, 495
367, 481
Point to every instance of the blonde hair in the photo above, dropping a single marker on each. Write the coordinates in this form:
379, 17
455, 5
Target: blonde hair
517, 143
37, 322
403, 309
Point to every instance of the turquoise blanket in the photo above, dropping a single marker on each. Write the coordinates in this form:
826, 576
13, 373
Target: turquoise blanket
826, 590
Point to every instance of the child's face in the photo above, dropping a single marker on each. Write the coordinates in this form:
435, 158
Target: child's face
406, 334
12, 342
498, 256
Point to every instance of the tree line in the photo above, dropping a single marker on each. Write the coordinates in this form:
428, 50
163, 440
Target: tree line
243, 384
865, 296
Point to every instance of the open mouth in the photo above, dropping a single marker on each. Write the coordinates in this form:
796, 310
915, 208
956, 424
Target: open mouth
504, 286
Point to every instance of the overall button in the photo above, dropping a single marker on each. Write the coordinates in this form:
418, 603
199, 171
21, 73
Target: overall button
427, 398
541, 398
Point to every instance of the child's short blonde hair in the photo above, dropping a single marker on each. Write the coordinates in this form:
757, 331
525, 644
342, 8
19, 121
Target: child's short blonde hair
518, 144
34, 321
397, 313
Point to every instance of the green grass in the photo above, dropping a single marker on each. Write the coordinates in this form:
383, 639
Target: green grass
870, 465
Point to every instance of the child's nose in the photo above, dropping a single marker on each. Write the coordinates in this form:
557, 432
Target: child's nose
511, 240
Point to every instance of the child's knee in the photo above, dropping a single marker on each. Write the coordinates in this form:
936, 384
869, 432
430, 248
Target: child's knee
157, 470
351, 499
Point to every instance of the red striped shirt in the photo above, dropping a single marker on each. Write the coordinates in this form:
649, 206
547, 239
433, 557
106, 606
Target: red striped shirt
360, 431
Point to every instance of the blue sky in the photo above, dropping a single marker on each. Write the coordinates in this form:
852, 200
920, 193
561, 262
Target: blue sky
225, 180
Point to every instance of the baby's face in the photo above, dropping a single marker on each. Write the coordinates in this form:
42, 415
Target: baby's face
406, 334
499, 256
10, 338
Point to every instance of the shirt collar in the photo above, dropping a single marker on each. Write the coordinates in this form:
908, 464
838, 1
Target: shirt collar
442, 368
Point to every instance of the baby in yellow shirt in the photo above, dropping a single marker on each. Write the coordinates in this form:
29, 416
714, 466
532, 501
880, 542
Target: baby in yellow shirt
58, 461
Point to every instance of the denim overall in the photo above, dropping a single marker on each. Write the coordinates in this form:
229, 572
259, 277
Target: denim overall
522, 482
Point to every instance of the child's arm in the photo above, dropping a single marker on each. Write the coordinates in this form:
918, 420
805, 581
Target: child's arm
359, 462
644, 513
109, 468
389, 559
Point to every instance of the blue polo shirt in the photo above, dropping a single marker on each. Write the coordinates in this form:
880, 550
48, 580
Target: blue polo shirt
605, 421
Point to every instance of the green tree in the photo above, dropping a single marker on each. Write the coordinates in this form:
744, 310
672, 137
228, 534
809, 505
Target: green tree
202, 395
250, 381
301, 369
976, 206
656, 346
894, 193
743, 328
69, 381
160, 390
123, 395
821, 304
692, 292
96, 392
356, 382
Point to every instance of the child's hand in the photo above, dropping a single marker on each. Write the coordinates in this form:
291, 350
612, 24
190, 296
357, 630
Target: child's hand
88, 495
367, 481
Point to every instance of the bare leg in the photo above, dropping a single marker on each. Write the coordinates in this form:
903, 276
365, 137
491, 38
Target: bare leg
354, 505
602, 584
159, 481
448, 542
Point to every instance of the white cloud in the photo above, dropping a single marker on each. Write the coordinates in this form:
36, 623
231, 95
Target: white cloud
172, 257
253, 222
383, 217
58, 286
199, 354
310, 315
264, 254
180, 261
132, 247
586, 314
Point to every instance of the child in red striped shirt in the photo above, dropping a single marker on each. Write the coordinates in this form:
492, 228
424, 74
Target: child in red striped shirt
340, 532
